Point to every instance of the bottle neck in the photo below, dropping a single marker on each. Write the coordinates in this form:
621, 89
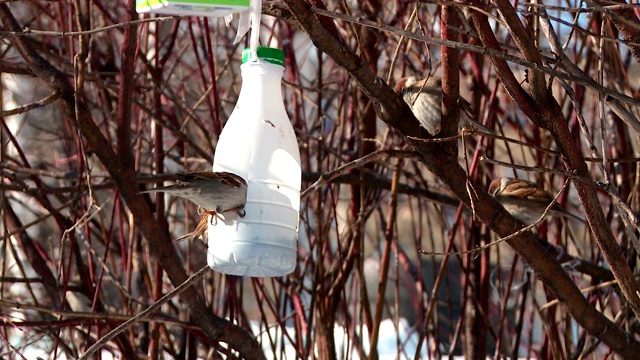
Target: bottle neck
263, 74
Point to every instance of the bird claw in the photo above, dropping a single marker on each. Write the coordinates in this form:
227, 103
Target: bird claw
199, 231
214, 216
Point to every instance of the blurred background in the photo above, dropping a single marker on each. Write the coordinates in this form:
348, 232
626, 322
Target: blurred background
75, 263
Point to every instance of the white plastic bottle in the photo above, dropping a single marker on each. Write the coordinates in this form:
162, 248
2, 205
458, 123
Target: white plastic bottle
258, 143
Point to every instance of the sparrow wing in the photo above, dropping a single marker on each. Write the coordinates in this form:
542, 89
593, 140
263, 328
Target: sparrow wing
180, 179
222, 177
169, 188
524, 189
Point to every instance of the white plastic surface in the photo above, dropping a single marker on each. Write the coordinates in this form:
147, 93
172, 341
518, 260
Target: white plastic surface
210, 8
258, 143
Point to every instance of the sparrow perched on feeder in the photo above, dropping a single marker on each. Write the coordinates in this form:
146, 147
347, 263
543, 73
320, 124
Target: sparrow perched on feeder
525, 200
214, 192
424, 97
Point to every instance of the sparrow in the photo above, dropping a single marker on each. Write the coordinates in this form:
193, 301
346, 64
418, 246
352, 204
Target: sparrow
213, 192
525, 200
424, 97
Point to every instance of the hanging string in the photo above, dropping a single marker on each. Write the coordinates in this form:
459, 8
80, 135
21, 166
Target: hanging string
256, 13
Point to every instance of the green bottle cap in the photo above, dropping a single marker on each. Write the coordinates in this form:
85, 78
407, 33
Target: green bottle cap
272, 55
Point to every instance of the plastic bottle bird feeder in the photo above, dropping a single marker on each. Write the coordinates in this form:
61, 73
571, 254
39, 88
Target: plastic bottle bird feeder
258, 143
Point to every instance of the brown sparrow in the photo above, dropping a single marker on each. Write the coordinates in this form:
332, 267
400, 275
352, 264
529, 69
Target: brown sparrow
524, 200
424, 96
214, 192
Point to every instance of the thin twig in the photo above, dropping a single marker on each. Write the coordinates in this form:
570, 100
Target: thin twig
586, 290
145, 313
327, 177
582, 80
18, 306
524, 167
515, 234
30, 32
33, 105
